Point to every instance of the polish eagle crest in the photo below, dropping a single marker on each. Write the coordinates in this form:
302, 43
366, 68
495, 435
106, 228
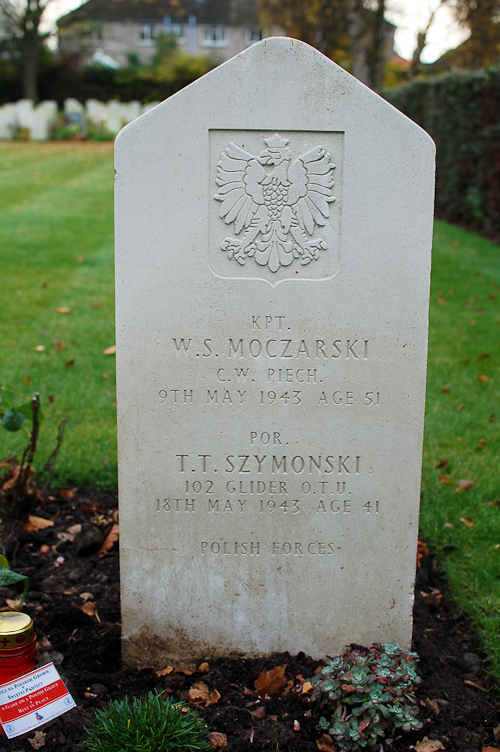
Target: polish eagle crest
274, 202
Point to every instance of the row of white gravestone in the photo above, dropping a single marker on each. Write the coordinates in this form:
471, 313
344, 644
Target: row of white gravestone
41, 119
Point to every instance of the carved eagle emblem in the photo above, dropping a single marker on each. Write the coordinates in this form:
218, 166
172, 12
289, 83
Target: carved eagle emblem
274, 202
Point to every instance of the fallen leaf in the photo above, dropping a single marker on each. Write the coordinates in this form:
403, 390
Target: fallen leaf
44, 550
165, 671
27, 380
199, 694
67, 493
325, 744
433, 706
482, 378
40, 348
445, 479
296, 726
74, 529
203, 668
38, 523
428, 745
95, 304
434, 597
14, 603
110, 350
441, 301
69, 363
63, 309
271, 683
306, 688
60, 345
474, 685
110, 540
463, 484
259, 712
44, 643
80, 259
460, 407
86, 597
496, 734
481, 444
448, 526
442, 463
473, 322
89, 608
483, 356
272, 717
490, 749
422, 551
467, 521
38, 740
218, 741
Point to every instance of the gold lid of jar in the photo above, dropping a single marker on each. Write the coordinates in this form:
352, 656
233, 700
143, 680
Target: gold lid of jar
16, 630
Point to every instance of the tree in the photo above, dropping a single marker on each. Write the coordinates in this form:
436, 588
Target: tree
351, 32
20, 31
482, 18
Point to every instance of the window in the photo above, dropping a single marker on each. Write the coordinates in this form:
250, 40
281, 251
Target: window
179, 32
215, 36
254, 35
146, 35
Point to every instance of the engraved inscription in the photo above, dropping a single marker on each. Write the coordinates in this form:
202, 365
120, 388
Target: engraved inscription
274, 202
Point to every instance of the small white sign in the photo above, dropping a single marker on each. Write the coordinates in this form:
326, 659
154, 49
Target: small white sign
32, 700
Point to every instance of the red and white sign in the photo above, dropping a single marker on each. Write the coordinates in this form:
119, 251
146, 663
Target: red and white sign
32, 700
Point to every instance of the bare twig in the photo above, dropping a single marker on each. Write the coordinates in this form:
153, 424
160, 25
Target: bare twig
51, 462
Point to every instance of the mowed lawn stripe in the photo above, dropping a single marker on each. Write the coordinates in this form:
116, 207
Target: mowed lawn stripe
28, 169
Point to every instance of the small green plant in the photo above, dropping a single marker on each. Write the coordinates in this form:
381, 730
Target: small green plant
148, 724
366, 695
8, 577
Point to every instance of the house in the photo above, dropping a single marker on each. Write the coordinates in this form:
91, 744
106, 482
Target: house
126, 30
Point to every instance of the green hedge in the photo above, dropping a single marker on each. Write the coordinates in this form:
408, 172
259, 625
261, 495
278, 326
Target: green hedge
461, 111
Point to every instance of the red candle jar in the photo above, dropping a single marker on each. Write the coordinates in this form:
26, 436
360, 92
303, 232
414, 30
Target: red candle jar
17, 646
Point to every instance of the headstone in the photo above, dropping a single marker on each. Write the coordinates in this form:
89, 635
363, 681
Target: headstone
43, 118
115, 118
131, 111
8, 122
74, 114
24, 112
273, 237
96, 111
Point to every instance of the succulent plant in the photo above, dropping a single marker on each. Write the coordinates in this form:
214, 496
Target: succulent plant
367, 694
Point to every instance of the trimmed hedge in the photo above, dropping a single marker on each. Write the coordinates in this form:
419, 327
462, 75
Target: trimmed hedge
461, 111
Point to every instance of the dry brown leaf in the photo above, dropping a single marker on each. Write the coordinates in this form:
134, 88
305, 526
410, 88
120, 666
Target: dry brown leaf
110, 350
482, 443
482, 378
474, 685
490, 749
441, 301
463, 484
325, 744
218, 741
467, 521
96, 304
271, 683
89, 608
296, 726
306, 688
259, 712
428, 745
38, 523
67, 493
165, 671
272, 717
496, 734
14, 603
445, 479
110, 541
433, 706
74, 529
203, 668
38, 740
199, 694
44, 549
86, 597
442, 463
63, 309
422, 551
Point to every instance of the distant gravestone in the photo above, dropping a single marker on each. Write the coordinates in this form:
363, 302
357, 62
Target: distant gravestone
273, 236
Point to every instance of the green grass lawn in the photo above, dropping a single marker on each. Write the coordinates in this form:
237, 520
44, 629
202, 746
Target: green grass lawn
56, 251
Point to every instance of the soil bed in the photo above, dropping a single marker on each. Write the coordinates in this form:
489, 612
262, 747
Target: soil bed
459, 706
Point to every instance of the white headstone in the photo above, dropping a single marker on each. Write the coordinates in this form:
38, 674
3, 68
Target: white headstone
96, 111
273, 237
8, 122
24, 112
115, 117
